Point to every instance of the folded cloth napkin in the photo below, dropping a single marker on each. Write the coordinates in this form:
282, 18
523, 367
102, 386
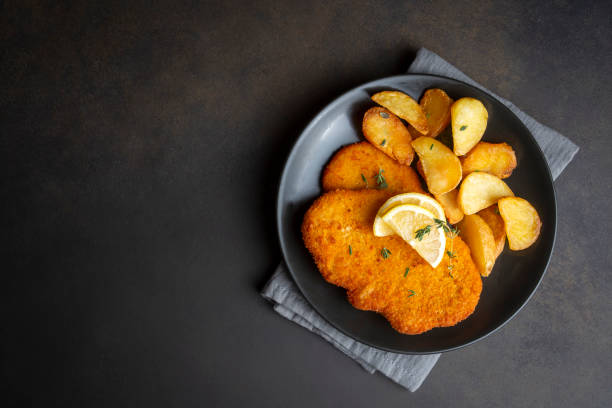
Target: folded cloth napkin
407, 370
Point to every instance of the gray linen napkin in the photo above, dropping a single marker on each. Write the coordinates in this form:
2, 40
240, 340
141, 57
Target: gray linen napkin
407, 370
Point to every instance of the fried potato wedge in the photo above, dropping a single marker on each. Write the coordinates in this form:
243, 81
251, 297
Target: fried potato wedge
419, 167
448, 201
478, 236
481, 190
497, 159
387, 133
469, 120
405, 107
522, 222
413, 132
442, 169
491, 216
436, 104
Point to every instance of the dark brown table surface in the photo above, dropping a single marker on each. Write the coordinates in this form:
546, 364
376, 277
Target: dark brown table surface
141, 149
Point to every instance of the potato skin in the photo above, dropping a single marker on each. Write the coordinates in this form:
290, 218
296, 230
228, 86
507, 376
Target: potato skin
387, 133
442, 169
469, 121
419, 167
497, 159
522, 222
491, 216
405, 107
448, 201
478, 236
437, 107
481, 190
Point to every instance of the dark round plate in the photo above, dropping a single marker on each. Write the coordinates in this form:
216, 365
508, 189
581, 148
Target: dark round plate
516, 275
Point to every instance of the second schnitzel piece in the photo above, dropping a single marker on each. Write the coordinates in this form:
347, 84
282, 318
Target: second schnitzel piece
385, 274
360, 166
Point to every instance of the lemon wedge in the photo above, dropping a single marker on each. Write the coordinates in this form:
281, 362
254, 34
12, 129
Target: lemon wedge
417, 227
381, 229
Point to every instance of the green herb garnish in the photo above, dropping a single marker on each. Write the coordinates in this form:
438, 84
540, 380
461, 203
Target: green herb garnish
462, 128
412, 292
350, 250
364, 179
422, 232
431, 147
406, 273
446, 227
383, 142
380, 180
385, 253
441, 224
449, 230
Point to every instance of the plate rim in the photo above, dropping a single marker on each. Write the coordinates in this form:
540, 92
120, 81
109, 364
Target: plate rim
281, 186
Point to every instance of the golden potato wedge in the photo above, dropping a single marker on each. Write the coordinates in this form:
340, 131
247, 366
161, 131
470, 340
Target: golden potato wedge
387, 132
478, 236
405, 107
413, 132
491, 216
436, 104
522, 222
497, 159
419, 167
448, 201
442, 169
469, 120
481, 190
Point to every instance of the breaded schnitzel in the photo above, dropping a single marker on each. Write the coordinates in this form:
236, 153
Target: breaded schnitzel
353, 163
413, 296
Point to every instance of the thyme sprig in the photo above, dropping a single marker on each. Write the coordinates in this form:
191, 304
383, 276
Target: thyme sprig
446, 227
380, 180
449, 230
385, 253
420, 233
365, 180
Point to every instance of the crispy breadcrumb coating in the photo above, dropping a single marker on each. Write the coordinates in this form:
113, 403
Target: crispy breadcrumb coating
413, 302
351, 164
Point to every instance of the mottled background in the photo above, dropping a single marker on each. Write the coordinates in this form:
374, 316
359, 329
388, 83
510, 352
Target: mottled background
141, 145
